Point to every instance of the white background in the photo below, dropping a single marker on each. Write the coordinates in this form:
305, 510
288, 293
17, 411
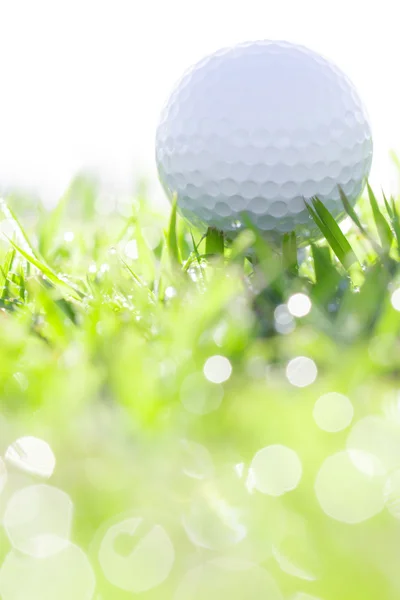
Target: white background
82, 82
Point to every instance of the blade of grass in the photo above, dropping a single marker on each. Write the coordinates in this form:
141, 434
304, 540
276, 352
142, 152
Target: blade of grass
387, 206
195, 246
67, 288
269, 261
182, 236
22, 283
138, 281
354, 217
51, 226
395, 222
332, 233
289, 253
214, 242
196, 251
262, 249
322, 263
194, 256
395, 159
315, 217
146, 263
384, 231
5, 270
326, 275
172, 239
359, 311
241, 245
18, 230
57, 325
350, 211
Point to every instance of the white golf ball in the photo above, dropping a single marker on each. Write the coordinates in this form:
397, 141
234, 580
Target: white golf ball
252, 131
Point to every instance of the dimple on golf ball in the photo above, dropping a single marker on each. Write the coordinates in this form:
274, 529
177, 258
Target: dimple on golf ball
253, 131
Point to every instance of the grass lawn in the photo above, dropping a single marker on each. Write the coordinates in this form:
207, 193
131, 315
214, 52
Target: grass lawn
199, 422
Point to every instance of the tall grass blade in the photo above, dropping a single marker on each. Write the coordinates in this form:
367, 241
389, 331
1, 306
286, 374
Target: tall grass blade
17, 228
332, 232
384, 231
289, 253
395, 222
350, 210
172, 238
214, 242
62, 285
4, 272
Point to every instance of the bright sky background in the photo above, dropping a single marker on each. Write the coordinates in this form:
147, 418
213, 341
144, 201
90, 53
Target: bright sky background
82, 82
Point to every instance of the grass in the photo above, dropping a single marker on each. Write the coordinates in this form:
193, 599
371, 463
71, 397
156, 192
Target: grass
157, 363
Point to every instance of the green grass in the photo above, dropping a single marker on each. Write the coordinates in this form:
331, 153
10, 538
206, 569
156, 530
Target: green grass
106, 325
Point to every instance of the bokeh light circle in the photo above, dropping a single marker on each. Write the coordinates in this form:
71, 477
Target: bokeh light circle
333, 412
32, 455
301, 371
136, 555
65, 575
38, 519
347, 493
228, 578
378, 436
275, 470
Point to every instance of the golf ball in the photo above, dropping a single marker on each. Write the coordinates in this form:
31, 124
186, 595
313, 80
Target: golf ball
253, 131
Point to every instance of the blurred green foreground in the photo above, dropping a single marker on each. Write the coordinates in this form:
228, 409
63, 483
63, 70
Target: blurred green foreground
178, 422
